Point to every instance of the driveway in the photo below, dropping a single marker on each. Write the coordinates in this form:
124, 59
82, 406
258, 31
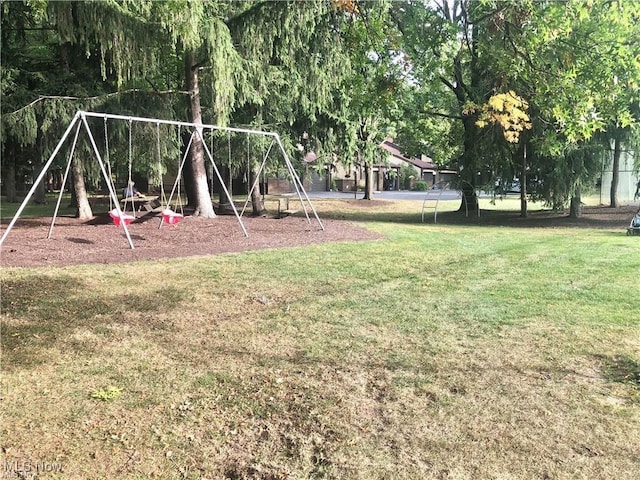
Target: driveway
393, 195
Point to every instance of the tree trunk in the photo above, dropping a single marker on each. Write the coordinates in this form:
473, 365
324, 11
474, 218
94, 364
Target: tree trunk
364, 136
256, 199
459, 88
469, 198
10, 189
37, 152
187, 176
524, 213
223, 198
201, 198
615, 173
368, 181
40, 192
83, 209
10, 184
575, 207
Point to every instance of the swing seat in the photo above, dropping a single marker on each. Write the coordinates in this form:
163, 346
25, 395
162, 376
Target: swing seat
119, 219
170, 217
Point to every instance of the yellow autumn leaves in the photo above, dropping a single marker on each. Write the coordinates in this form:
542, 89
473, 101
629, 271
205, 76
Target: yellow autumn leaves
508, 110
348, 6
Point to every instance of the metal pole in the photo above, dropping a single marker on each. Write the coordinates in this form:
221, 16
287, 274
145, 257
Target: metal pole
224, 187
45, 168
296, 183
175, 184
173, 122
64, 180
253, 187
297, 179
108, 180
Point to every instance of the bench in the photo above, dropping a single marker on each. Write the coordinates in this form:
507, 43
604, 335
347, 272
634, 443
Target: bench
284, 209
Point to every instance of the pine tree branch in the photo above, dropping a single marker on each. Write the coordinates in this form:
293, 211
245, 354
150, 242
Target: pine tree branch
98, 97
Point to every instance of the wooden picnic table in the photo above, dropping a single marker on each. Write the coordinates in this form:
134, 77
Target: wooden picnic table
141, 203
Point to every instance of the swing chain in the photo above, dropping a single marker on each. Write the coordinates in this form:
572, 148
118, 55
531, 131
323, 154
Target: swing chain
161, 181
129, 191
108, 160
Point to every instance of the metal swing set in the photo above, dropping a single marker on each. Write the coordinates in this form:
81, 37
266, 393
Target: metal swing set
168, 215
130, 194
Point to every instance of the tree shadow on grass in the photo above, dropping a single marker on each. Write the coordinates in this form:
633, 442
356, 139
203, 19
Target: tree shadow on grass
40, 312
592, 218
599, 217
622, 369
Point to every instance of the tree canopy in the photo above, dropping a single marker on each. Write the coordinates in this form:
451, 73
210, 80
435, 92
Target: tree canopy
495, 89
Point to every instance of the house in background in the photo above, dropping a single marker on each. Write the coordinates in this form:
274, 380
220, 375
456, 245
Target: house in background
387, 175
425, 169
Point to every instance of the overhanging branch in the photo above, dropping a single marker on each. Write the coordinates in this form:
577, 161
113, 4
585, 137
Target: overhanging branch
442, 115
97, 97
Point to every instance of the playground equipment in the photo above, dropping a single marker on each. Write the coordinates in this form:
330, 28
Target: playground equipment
80, 120
441, 188
168, 215
634, 225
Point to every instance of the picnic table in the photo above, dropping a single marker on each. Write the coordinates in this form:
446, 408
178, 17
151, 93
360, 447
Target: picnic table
141, 203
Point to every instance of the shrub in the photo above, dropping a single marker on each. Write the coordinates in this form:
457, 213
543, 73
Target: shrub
421, 186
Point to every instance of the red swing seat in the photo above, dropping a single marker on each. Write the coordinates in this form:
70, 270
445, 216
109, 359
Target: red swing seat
170, 217
120, 218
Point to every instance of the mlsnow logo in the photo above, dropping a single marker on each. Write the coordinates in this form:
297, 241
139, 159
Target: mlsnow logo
27, 468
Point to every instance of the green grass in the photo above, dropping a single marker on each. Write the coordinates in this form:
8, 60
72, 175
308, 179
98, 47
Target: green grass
440, 352
33, 209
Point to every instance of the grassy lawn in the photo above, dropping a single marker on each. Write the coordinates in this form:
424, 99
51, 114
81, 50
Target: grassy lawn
33, 209
444, 352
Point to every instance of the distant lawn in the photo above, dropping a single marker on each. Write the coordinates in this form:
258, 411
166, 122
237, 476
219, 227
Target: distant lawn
33, 209
412, 209
443, 351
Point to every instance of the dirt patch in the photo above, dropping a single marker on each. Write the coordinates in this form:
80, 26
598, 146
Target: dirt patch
99, 241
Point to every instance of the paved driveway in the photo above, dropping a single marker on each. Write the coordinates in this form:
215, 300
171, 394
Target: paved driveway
393, 195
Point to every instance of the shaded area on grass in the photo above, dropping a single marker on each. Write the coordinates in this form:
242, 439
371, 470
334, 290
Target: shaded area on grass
410, 212
622, 369
39, 310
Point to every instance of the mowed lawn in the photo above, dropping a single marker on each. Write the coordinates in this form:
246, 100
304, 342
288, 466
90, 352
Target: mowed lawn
439, 352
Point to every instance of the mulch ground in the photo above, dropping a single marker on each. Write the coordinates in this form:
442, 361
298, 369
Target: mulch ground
99, 241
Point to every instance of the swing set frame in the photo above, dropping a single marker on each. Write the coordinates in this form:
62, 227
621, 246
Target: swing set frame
80, 119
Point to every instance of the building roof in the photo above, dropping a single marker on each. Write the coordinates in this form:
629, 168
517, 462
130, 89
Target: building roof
394, 150
423, 163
